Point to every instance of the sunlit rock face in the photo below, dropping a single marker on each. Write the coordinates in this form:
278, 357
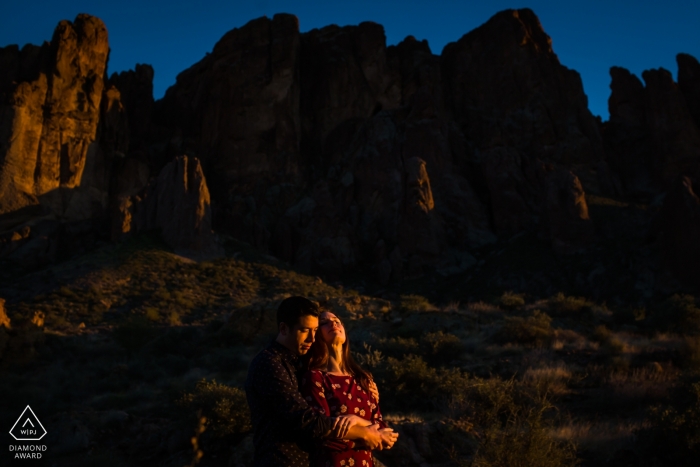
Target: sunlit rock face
50, 112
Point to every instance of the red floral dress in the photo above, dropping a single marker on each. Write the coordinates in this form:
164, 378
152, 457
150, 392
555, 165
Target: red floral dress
335, 395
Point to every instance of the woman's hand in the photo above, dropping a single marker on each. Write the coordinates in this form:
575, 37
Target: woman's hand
374, 390
389, 437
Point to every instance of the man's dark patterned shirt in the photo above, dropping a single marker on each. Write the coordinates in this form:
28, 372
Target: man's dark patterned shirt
284, 425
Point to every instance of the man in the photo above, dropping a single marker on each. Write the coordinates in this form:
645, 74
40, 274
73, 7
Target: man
284, 425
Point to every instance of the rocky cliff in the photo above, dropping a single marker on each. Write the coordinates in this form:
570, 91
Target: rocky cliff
332, 150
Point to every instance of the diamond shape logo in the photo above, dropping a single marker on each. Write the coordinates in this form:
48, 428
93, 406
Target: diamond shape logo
28, 427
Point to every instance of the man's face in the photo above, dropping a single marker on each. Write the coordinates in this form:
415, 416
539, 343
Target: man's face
299, 337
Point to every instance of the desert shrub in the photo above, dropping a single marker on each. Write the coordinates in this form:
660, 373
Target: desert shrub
679, 313
674, 435
511, 300
532, 330
561, 305
369, 358
415, 303
512, 423
414, 384
224, 407
397, 346
690, 352
610, 344
441, 347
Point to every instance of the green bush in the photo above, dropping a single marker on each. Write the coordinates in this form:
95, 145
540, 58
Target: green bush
533, 330
224, 407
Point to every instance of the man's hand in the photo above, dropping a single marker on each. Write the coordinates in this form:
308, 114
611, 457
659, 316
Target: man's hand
389, 437
340, 427
374, 390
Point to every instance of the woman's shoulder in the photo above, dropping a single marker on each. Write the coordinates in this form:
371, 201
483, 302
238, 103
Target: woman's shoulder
315, 375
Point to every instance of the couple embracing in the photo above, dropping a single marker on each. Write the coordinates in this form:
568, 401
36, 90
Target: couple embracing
311, 404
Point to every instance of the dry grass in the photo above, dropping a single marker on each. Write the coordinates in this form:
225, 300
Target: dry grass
552, 380
568, 339
602, 438
638, 385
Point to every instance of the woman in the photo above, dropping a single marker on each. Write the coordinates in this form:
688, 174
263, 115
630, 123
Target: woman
336, 385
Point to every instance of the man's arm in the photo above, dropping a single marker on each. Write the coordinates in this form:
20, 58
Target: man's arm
272, 386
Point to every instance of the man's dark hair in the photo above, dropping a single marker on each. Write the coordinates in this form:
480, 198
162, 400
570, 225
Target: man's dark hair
293, 308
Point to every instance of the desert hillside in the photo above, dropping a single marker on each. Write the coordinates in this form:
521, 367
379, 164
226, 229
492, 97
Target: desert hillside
520, 276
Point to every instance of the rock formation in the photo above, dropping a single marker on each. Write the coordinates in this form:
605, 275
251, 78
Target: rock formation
330, 149
177, 203
51, 107
651, 135
689, 83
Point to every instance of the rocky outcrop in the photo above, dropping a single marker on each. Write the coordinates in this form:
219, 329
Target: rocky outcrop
50, 113
19, 340
136, 95
344, 76
506, 88
237, 110
177, 203
570, 227
689, 83
651, 135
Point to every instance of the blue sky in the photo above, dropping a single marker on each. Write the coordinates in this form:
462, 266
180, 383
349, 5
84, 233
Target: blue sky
589, 36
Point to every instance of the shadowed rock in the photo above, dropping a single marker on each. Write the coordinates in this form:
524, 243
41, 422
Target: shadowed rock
689, 83
177, 203
651, 133
507, 88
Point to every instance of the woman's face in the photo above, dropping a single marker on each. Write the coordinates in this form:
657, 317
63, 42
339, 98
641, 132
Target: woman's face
331, 329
